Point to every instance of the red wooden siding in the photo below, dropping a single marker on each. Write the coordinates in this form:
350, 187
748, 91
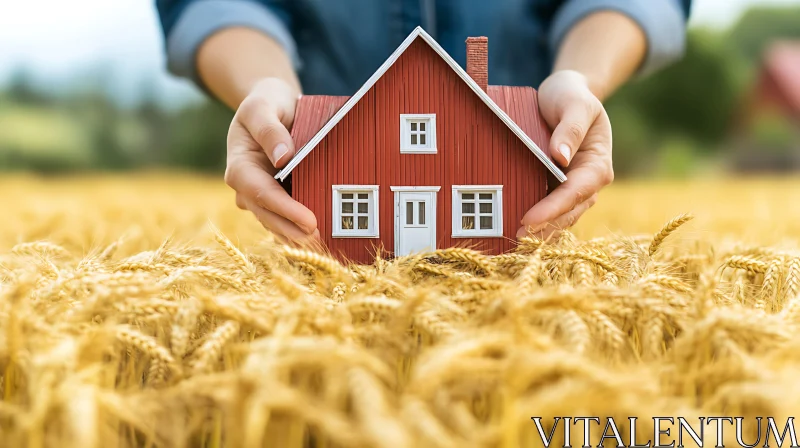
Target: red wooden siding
474, 148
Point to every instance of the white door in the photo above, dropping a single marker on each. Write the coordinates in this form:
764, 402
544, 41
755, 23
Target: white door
415, 221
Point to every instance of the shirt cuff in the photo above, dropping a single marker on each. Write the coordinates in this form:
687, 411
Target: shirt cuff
662, 21
203, 18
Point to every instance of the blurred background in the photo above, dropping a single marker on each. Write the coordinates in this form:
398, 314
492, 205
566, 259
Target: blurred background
84, 87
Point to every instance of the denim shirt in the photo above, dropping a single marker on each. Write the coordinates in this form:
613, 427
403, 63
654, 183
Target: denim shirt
336, 45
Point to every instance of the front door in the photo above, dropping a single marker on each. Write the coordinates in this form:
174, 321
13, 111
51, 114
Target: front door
415, 220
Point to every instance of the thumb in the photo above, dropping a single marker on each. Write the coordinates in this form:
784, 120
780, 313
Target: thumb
569, 134
267, 130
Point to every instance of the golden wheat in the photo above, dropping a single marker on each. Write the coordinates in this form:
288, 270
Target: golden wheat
127, 320
666, 231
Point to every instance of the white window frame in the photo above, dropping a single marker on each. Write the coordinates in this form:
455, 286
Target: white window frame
405, 134
497, 211
373, 213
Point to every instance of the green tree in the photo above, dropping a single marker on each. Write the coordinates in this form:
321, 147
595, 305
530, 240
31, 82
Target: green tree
197, 137
692, 100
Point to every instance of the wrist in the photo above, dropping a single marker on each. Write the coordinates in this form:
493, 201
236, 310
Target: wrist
592, 81
233, 61
275, 85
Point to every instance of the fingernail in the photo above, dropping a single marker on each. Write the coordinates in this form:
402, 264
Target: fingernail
564, 150
279, 152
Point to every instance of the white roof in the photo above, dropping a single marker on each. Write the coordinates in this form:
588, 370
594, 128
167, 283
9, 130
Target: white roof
419, 32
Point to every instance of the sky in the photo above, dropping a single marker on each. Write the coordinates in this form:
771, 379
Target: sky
66, 39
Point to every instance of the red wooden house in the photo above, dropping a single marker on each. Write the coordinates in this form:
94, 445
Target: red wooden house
425, 155
777, 89
774, 101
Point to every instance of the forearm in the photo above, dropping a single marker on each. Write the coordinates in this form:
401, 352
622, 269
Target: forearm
231, 61
607, 47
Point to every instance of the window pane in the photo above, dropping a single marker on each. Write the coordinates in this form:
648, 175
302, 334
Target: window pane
468, 196
422, 126
467, 207
467, 222
413, 126
363, 195
347, 207
363, 208
422, 139
413, 139
421, 213
347, 223
485, 196
486, 222
486, 207
347, 195
363, 223
409, 213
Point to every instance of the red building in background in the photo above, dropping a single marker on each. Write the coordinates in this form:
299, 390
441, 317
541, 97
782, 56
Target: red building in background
768, 134
425, 155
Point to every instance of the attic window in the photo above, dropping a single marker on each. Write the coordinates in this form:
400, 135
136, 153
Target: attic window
355, 211
477, 211
418, 133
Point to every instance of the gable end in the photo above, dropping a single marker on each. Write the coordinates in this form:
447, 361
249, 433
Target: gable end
419, 32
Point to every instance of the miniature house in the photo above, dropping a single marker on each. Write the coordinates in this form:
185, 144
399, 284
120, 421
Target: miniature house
424, 156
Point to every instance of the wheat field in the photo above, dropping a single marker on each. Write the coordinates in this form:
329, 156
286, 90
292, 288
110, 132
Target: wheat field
147, 311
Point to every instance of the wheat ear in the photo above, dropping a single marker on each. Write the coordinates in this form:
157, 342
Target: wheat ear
575, 331
317, 261
607, 330
748, 264
771, 283
581, 273
667, 230
41, 247
468, 256
528, 279
792, 277
236, 255
161, 359
211, 348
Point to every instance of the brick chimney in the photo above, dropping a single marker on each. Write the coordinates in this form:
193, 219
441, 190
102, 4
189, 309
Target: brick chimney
478, 60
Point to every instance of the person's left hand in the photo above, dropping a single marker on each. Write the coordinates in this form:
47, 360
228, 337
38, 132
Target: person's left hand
581, 143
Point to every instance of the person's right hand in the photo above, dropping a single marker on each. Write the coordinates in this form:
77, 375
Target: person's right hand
259, 143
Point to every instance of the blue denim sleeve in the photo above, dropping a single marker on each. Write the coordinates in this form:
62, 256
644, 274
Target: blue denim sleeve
187, 23
663, 23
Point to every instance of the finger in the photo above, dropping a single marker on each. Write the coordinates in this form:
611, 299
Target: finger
249, 179
279, 225
572, 127
561, 223
264, 125
240, 201
582, 183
